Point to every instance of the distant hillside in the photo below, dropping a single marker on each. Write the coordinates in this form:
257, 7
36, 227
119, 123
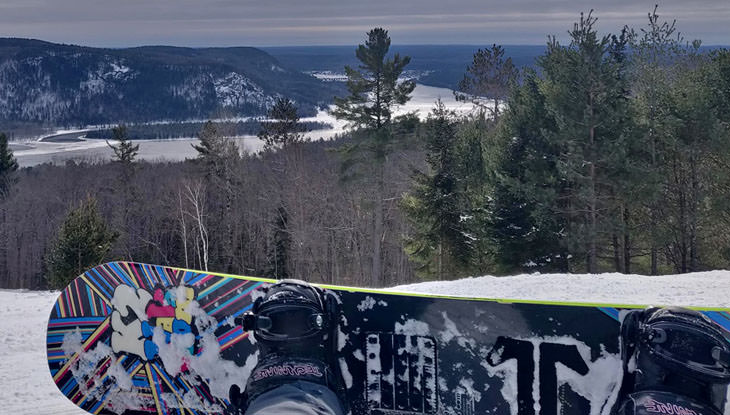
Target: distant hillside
435, 65
64, 84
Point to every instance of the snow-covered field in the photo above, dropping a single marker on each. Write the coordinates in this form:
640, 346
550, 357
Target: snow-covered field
26, 386
25, 382
30, 153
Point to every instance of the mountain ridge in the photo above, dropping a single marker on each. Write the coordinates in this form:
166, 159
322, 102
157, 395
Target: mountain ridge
62, 84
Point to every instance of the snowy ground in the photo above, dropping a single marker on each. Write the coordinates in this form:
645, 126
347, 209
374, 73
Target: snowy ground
34, 152
25, 382
700, 289
26, 386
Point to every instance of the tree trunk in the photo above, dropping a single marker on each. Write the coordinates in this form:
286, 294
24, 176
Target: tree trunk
682, 229
653, 204
441, 261
376, 274
616, 253
694, 201
183, 229
627, 242
593, 250
3, 251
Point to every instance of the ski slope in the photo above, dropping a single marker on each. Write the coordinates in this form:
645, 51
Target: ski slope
26, 386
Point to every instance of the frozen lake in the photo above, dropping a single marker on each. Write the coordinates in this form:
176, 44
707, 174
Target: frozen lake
37, 152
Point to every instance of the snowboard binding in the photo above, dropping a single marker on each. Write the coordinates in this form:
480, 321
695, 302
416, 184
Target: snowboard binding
295, 325
673, 359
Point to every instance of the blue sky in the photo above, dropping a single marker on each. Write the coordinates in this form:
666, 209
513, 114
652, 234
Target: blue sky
317, 22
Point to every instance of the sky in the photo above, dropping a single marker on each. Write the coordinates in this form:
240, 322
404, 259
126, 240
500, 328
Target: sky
196, 23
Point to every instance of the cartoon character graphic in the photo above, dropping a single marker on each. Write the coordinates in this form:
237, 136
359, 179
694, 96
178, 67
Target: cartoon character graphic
137, 313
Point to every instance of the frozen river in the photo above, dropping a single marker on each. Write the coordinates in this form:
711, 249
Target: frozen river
75, 147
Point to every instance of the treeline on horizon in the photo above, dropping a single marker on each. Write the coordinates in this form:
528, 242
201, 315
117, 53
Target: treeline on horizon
172, 130
599, 159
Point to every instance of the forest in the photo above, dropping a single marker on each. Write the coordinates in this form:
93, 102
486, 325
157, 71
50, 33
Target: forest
170, 130
610, 155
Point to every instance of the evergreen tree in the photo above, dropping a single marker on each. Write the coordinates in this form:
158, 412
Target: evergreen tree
721, 60
8, 166
680, 189
526, 222
374, 88
719, 188
124, 151
283, 127
654, 54
129, 203
475, 152
441, 243
586, 93
283, 131
374, 91
280, 247
696, 152
488, 78
215, 150
83, 241
219, 157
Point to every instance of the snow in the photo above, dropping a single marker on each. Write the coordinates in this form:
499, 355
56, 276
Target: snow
26, 386
235, 89
700, 289
229, 89
329, 76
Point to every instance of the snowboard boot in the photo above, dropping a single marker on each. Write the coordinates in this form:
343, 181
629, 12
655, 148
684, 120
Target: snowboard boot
295, 326
674, 359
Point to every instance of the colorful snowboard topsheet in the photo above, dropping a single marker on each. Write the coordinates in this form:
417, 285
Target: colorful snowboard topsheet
129, 338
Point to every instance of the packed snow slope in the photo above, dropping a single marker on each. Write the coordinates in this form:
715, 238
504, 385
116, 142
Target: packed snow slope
26, 386
699, 289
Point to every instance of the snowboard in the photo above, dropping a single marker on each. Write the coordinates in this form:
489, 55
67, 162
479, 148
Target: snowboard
130, 338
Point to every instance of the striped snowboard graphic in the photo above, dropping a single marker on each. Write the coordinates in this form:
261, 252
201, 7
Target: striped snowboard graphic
100, 345
132, 339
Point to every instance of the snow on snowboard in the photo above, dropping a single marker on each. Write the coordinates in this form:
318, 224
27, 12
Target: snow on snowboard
129, 338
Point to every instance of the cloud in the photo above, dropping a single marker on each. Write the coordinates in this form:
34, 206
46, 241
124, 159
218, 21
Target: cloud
291, 22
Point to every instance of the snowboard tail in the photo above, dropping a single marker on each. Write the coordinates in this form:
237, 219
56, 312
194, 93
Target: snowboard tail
129, 338
102, 331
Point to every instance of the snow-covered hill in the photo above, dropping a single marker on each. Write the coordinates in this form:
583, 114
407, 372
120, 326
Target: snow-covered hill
49, 83
26, 386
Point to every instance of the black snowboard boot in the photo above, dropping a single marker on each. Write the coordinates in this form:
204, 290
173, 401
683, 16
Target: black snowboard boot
295, 325
674, 359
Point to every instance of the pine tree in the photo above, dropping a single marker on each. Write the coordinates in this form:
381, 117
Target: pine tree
718, 235
696, 141
526, 222
215, 150
218, 157
124, 151
721, 60
83, 241
280, 247
129, 204
8, 166
283, 127
654, 53
585, 91
441, 243
374, 91
373, 86
488, 78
